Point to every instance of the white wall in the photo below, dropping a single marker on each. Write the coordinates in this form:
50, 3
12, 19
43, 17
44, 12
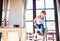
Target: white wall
16, 13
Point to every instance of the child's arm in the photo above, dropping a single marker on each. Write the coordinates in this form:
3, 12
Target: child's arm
35, 21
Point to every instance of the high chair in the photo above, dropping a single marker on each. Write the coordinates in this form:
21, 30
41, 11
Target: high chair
42, 38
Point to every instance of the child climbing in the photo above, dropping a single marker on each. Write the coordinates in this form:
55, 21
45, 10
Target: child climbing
39, 22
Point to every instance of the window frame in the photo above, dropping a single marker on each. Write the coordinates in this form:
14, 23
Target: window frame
56, 16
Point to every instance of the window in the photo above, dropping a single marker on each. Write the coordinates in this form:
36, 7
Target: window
29, 27
49, 3
29, 4
50, 15
48, 6
29, 16
39, 3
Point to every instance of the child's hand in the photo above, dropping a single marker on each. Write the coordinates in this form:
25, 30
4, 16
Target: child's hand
34, 24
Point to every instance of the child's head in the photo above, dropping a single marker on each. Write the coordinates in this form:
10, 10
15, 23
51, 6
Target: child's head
43, 14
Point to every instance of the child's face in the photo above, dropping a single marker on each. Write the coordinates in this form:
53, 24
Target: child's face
42, 15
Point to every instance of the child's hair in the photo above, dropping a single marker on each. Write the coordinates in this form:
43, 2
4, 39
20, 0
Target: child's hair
44, 12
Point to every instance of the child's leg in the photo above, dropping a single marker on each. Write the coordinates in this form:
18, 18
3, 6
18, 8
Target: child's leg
37, 27
42, 28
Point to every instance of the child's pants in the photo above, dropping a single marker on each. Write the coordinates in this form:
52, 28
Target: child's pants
40, 26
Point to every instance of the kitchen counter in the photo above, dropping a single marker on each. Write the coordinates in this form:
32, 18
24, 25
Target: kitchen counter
20, 30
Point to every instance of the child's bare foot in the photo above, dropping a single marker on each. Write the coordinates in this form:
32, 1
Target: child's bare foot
41, 34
